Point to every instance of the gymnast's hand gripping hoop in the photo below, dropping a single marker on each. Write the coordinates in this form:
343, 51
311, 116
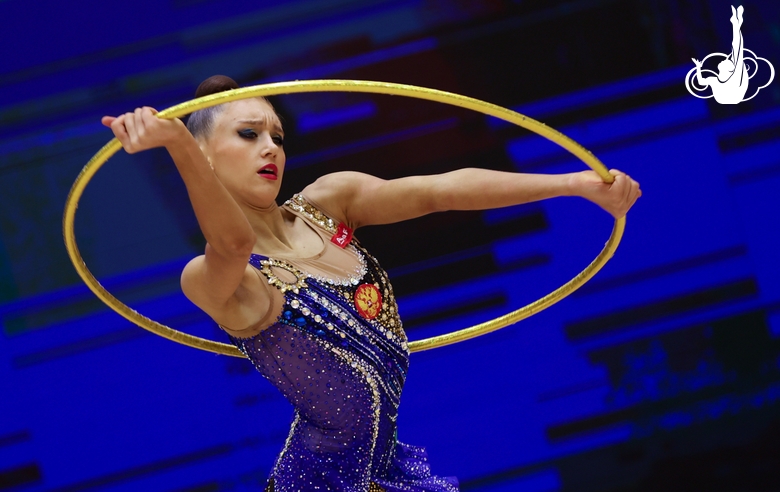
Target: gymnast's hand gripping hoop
188, 107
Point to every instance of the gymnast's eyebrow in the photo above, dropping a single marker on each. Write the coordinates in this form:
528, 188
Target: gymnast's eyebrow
262, 122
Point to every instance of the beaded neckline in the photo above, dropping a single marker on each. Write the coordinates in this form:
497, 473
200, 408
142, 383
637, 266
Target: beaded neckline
300, 274
298, 203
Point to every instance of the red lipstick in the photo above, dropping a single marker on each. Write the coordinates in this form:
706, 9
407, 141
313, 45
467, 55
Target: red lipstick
269, 171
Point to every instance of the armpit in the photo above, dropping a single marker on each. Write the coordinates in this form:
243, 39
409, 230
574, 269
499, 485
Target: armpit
269, 318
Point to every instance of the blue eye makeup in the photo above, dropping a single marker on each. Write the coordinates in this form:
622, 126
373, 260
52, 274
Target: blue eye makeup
250, 134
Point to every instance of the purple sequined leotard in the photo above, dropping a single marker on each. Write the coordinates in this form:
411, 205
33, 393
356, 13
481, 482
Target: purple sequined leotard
342, 363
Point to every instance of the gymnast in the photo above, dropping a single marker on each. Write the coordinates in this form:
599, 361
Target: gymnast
296, 292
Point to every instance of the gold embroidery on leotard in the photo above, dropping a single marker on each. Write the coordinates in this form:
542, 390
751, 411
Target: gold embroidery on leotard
280, 284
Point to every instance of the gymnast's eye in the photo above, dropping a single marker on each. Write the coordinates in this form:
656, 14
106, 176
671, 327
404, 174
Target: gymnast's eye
248, 134
278, 140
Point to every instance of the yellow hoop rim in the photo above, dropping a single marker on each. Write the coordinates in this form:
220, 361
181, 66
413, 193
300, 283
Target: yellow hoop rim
365, 86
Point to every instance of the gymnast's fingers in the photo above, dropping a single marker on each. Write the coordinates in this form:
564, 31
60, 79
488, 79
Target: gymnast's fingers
147, 113
132, 134
116, 124
625, 181
120, 132
616, 173
150, 120
140, 124
617, 198
635, 193
628, 181
635, 189
616, 188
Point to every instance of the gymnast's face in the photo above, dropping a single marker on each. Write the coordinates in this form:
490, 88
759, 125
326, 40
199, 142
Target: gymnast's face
246, 150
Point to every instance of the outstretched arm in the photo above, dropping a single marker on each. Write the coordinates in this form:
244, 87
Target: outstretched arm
367, 200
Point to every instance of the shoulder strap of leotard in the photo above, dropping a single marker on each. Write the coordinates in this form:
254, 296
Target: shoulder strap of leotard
314, 213
321, 217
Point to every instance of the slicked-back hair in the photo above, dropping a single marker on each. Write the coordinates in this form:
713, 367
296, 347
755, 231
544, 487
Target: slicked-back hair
200, 123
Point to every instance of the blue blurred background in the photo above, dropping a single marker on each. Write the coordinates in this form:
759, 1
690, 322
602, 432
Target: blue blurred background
661, 373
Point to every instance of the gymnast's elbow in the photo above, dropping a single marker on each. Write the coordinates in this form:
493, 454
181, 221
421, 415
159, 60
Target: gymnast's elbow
232, 247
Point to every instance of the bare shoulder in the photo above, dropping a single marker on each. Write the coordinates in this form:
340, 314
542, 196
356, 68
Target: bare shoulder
241, 311
338, 188
337, 192
192, 283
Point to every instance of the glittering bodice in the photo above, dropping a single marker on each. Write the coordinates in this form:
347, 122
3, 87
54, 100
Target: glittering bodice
338, 353
366, 294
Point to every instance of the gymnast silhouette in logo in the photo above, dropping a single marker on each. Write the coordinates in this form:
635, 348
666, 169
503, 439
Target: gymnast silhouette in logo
730, 84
